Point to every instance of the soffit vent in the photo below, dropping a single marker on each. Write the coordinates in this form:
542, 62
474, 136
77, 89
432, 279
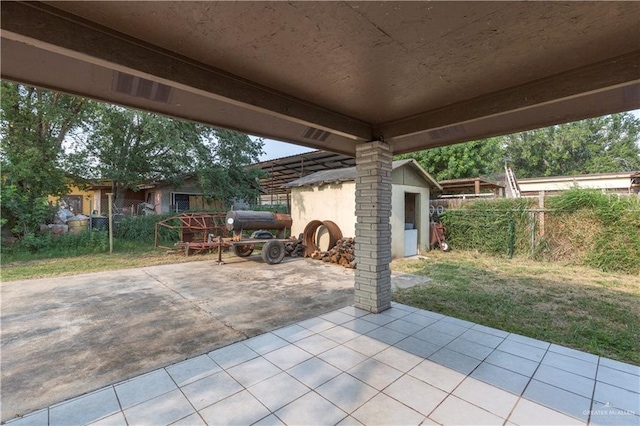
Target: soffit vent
315, 134
140, 87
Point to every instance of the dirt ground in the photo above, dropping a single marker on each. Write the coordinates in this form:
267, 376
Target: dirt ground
63, 337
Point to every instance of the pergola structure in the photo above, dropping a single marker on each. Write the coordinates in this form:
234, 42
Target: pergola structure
281, 171
358, 78
470, 186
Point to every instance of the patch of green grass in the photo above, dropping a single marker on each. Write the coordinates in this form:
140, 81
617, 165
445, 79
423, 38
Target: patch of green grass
127, 254
572, 307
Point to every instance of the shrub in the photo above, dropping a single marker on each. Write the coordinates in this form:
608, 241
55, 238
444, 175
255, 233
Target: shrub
64, 244
143, 229
489, 225
582, 226
597, 229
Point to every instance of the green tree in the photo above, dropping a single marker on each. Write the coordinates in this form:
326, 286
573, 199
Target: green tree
34, 125
131, 147
598, 145
222, 172
471, 159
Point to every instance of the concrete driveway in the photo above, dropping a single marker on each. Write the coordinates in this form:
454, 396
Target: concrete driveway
62, 337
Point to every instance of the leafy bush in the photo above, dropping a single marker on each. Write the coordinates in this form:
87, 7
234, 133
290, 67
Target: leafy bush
143, 228
616, 250
597, 229
585, 227
20, 211
65, 244
489, 225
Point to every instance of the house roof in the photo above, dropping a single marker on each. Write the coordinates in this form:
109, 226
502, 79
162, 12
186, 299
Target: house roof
614, 175
349, 174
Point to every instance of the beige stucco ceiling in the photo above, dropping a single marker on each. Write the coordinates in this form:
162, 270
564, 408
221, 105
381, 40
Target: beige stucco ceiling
333, 74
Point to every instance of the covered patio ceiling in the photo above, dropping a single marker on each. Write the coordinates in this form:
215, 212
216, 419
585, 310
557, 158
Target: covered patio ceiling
331, 75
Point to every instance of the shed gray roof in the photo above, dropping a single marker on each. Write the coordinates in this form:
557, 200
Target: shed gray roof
349, 174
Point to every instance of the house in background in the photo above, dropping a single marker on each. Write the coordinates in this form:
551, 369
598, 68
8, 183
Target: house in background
161, 198
169, 198
331, 195
627, 183
624, 183
86, 197
78, 200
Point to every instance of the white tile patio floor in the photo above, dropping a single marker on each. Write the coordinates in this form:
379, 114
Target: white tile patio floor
402, 367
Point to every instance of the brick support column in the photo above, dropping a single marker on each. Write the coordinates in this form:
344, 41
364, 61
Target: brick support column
373, 228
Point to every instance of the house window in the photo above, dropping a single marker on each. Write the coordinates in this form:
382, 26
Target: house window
180, 202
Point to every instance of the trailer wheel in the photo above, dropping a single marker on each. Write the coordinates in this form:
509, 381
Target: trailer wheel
273, 252
242, 250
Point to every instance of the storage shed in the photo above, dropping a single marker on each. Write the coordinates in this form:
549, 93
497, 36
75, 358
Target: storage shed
331, 195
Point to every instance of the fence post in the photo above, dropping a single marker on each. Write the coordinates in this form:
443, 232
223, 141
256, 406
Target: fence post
110, 201
532, 224
512, 237
541, 217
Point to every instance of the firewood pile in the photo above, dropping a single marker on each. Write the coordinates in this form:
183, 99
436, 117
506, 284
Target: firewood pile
295, 247
343, 253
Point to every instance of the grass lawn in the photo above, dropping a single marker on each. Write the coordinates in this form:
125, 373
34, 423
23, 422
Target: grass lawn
125, 255
577, 307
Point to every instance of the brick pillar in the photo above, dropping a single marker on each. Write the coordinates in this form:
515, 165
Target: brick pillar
373, 229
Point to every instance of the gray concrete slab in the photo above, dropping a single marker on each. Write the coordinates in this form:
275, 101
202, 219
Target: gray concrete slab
63, 337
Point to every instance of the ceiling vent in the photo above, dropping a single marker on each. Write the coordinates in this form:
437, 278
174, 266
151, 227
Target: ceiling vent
315, 134
140, 87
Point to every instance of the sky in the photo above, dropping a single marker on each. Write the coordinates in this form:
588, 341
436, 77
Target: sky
276, 149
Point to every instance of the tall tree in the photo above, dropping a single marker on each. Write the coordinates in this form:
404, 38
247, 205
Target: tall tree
222, 174
34, 124
131, 147
464, 160
598, 145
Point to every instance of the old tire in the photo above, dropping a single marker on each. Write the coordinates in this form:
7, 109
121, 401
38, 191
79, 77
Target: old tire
444, 246
273, 252
242, 250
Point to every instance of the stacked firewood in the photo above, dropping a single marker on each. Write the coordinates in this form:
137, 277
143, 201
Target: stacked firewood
295, 247
343, 253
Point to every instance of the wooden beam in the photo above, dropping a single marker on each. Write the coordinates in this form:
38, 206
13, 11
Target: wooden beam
50, 29
602, 76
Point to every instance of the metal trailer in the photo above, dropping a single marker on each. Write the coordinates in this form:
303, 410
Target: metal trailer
204, 232
273, 249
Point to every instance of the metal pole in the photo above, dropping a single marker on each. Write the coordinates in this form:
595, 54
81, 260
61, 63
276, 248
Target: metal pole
532, 224
512, 237
541, 217
110, 201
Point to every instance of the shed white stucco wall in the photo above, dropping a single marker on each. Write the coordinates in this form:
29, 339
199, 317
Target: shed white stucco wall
336, 202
